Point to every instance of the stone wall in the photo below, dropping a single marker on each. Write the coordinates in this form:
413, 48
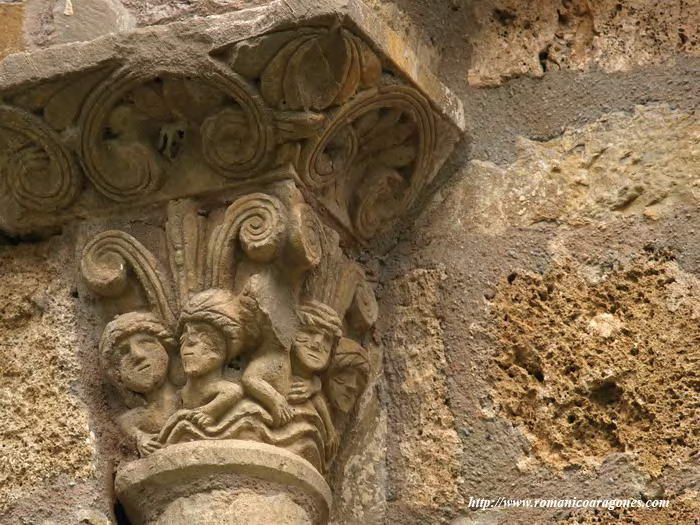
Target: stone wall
540, 308
552, 275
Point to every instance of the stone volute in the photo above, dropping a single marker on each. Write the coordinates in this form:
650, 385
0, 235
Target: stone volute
221, 173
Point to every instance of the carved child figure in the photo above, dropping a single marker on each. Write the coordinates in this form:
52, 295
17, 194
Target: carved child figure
212, 335
134, 351
319, 331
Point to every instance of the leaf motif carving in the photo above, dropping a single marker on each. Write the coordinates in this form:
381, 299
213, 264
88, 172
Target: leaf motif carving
39, 171
106, 262
317, 71
271, 81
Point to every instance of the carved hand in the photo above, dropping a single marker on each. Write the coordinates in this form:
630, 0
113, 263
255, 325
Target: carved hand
199, 418
282, 414
147, 444
302, 390
333, 443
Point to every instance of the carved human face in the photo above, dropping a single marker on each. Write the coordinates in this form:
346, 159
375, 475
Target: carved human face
312, 348
143, 362
202, 348
344, 386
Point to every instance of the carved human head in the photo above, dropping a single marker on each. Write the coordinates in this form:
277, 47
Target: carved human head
319, 330
215, 327
134, 350
348, 374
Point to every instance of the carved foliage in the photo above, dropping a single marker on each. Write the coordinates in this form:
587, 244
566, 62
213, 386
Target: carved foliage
374, 156
38, 170
315, 100
270, 315
137, 124
107, 260
368, 150
308, 69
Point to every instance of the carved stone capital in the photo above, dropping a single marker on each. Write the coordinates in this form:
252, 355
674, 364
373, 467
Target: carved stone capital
235, 337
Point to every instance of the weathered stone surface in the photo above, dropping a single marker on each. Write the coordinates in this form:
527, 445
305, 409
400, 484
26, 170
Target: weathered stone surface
628, 280
638, 163
362, 498
424, 449
11, 38
515, 38
44, 425
51, 23
595, 368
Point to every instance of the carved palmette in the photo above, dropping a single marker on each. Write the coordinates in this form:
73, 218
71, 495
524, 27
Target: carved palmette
105, 265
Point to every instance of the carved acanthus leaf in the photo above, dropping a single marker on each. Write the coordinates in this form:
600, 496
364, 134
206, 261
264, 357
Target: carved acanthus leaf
185, 229
373, 156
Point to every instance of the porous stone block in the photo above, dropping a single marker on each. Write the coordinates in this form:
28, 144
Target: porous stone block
11, 37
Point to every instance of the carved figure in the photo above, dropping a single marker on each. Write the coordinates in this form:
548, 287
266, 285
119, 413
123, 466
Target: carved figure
136, 352
212, 335
267, 376
311, 353
347, 376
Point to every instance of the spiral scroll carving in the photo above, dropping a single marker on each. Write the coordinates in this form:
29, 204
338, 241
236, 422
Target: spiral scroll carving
259, 223
137, 123
379, 148
105, 263
40, 172
305, 236
336, 148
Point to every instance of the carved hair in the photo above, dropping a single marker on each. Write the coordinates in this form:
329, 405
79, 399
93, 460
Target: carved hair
225, 311
318, 316
349, 354
124, 326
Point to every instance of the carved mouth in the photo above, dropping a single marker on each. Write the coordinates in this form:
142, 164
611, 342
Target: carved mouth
143, 367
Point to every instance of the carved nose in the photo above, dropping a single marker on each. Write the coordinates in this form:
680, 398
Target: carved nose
137, 352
